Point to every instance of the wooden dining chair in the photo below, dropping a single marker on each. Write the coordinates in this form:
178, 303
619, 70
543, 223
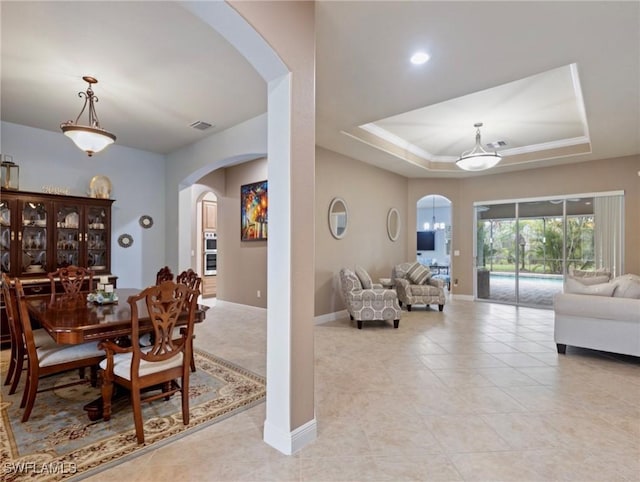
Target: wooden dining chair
50, 359
191, 279
164, 274
18, 350
72, 279
166, 360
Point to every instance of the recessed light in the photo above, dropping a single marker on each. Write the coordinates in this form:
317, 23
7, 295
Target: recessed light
419, 58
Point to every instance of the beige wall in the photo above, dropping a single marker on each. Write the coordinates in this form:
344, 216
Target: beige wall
584, 177
242, 265
369, 193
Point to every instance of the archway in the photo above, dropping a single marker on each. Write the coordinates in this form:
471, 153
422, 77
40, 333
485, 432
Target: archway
290, 409
433, 226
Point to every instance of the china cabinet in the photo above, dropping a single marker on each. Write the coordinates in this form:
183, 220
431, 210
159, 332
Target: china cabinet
42, 232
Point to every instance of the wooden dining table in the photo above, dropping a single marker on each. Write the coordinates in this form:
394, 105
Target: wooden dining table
71, 319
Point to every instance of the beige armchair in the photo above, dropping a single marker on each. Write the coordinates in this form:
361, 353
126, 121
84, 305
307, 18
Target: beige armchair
368, 303
415, 285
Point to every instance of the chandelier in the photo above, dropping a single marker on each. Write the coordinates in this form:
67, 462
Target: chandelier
435, 226
477, 159
90, 138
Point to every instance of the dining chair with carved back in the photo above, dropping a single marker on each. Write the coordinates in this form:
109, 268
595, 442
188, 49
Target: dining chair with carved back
18, 349
72, 279
51, 359
164, 274
161, 364
191, 279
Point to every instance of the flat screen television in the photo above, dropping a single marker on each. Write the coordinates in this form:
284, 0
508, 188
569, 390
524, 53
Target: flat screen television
426, 240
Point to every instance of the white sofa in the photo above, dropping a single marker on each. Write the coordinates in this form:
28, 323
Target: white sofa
604, 316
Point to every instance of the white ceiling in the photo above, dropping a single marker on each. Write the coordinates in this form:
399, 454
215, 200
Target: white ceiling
533, 72
158, 67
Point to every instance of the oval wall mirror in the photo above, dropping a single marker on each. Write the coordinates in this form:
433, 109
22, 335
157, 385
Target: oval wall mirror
393, 224
338, 217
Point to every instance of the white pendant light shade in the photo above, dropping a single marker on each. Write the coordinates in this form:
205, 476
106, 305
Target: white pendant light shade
91, 138
477, 159
88, 139
478, 162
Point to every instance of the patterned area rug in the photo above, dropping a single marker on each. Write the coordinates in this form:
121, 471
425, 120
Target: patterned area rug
59, 442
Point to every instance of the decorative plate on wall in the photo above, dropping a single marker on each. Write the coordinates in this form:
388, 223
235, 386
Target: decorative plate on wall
125, 240
146, 221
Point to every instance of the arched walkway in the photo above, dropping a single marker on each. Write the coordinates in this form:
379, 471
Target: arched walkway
290, 421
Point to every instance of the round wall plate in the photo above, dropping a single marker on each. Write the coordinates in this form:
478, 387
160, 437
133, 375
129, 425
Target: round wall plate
146, 221
125, 240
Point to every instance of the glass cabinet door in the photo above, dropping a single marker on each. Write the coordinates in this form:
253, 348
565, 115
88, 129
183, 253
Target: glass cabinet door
68, 235
97, 238
6, 236
33, 237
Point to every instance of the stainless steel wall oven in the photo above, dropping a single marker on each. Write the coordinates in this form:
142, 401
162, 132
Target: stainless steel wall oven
210, 253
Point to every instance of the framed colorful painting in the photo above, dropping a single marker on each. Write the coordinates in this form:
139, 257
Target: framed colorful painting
254, 206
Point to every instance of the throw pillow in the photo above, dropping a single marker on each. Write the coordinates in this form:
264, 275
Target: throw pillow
418, 274
627, 276
576, 287
598, 276
352, 280
627, 288
590, 280
364, 277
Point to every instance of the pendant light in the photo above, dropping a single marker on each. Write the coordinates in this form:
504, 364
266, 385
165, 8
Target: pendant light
477, 159
90, 138
436, 226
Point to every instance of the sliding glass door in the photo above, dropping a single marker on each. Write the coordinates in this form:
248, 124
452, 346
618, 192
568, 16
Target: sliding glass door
524, 248
496, 260
540, 239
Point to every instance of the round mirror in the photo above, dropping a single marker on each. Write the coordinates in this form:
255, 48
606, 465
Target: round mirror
393, 224
338, 218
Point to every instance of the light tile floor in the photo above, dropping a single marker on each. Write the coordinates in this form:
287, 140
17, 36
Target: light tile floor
476, 392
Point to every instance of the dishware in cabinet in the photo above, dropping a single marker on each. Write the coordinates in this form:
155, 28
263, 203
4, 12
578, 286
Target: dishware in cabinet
83, 234
98, 237
40, 232
7, 233
68, 234
33, 236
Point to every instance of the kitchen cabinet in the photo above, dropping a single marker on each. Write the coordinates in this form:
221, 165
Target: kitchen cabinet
209, 286
209, 215
40, 233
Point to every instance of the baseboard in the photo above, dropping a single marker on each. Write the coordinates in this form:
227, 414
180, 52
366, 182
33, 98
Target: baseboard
318, 320
291, 442
462, 297
231, 304
335, 316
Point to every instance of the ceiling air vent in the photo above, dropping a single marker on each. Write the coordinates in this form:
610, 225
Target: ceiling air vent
200, 125
496, 144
